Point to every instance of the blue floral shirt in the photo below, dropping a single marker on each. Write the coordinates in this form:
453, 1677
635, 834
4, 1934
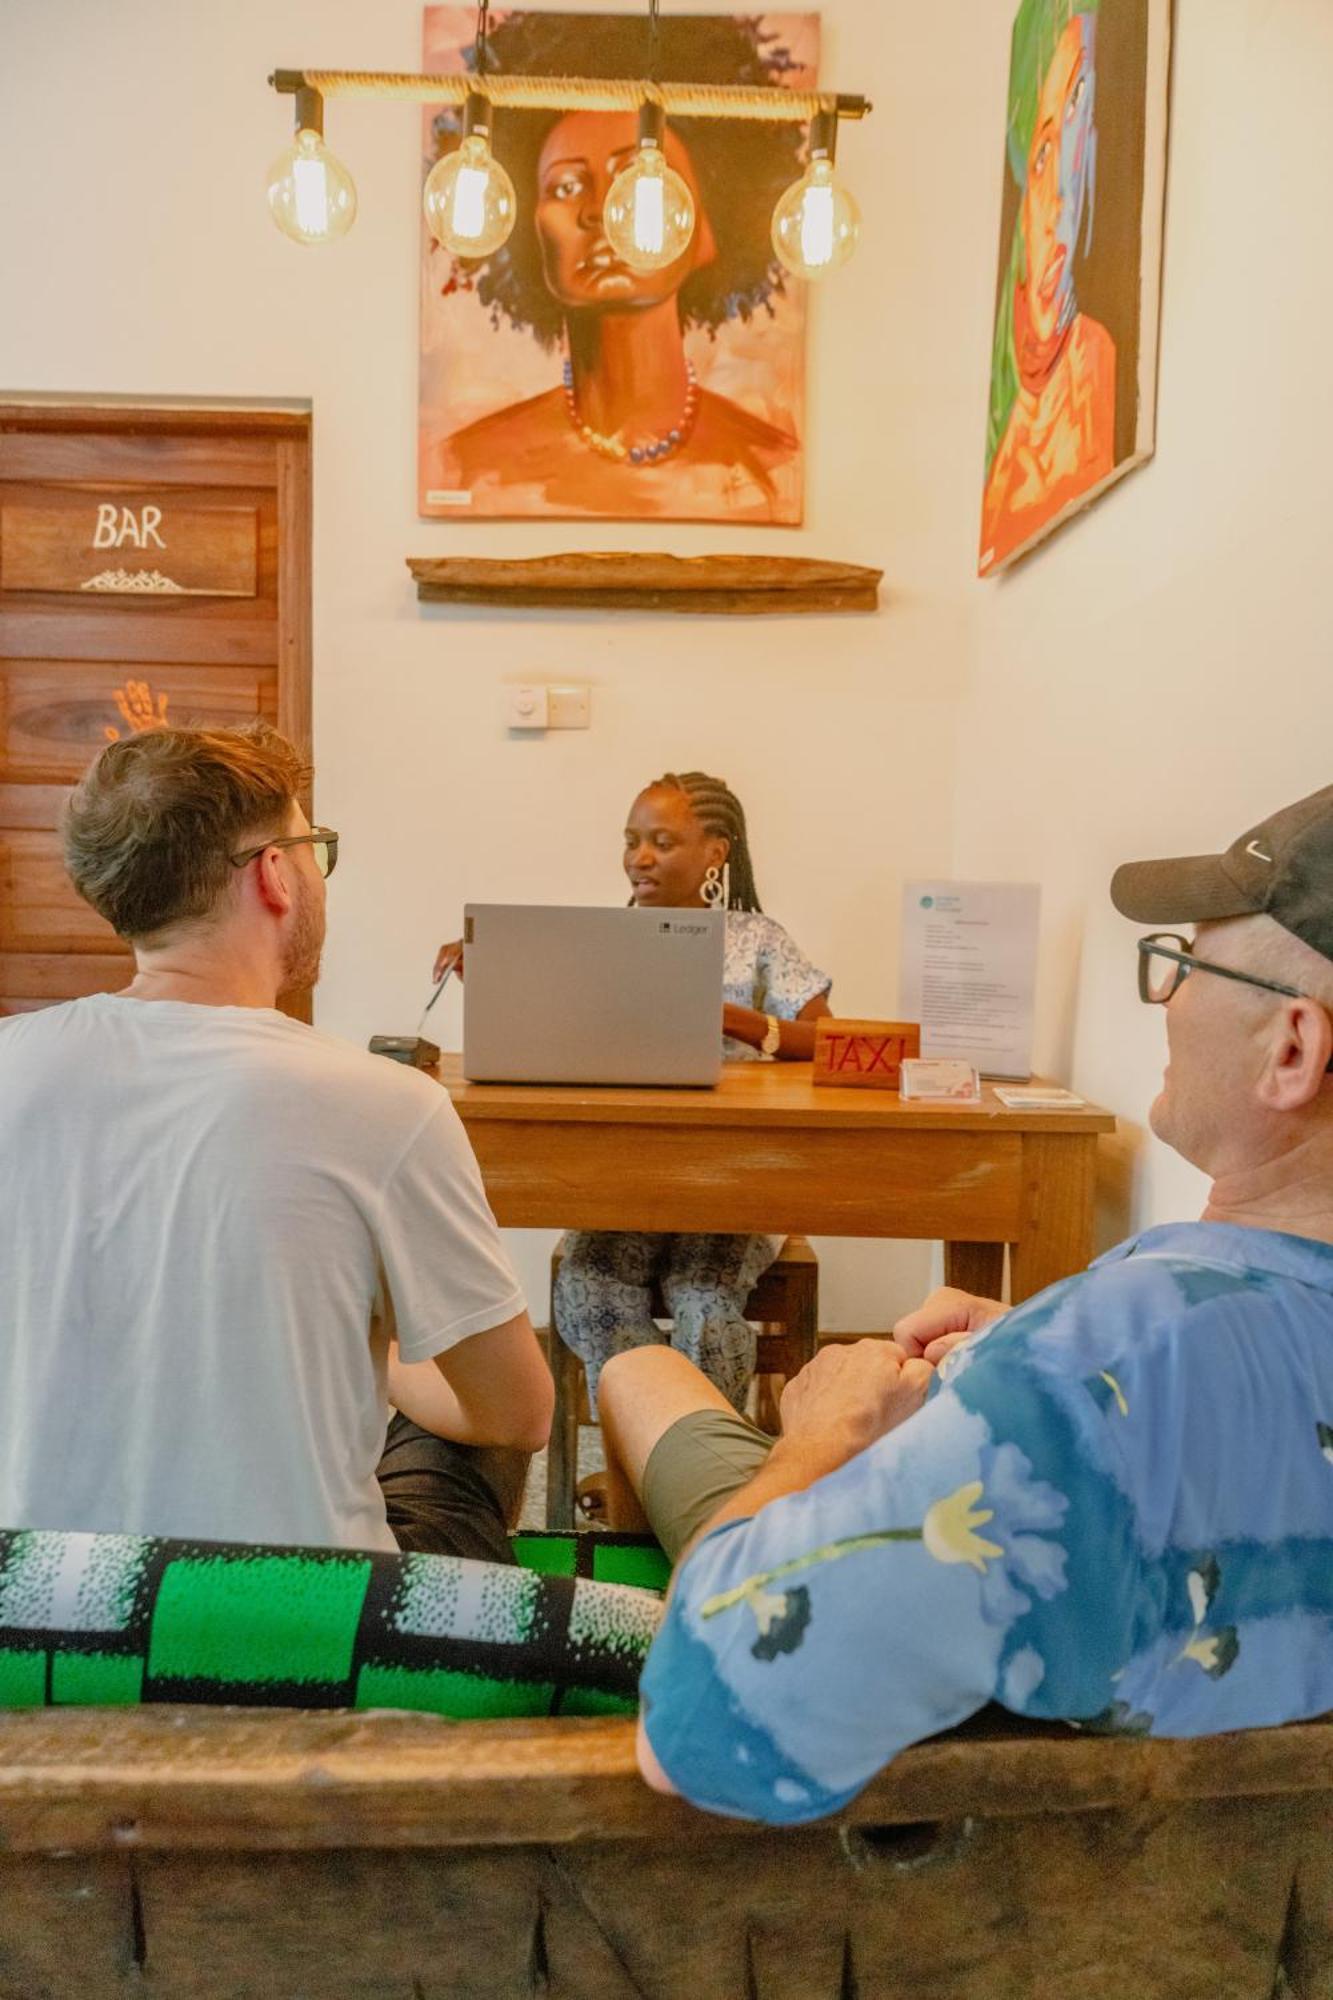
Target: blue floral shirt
1115, 1508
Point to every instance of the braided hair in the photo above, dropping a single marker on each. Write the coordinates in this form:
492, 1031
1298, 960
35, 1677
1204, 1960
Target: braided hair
719, 812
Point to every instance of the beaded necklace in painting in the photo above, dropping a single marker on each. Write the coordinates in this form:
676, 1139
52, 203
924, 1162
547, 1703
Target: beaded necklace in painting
653, 450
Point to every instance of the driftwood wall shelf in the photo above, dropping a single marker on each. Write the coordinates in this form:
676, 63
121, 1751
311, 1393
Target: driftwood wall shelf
727, 584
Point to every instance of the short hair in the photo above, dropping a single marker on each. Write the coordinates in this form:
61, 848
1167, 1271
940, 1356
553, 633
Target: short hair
719, 812
149, 830
1271, 950
742, 165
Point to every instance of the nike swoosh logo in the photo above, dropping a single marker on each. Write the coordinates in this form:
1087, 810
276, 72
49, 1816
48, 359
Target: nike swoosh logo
1253, 847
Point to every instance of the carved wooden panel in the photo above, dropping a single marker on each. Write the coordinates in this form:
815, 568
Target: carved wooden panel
118, 542
55, 715
194, 528
34, 979
45, 562
40, 910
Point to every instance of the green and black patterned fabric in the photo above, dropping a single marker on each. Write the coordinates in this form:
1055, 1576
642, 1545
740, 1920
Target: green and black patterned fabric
108, 1620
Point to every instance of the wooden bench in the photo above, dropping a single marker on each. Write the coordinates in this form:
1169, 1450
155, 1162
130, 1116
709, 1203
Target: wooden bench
256, 1854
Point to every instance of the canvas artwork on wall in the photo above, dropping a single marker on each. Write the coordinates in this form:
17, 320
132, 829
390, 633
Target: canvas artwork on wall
1074, 359
546, 364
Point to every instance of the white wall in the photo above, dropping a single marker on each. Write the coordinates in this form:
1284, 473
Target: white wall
1159, 678
1153, 678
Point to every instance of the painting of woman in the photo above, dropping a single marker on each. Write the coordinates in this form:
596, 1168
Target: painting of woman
1070, 407
558, 381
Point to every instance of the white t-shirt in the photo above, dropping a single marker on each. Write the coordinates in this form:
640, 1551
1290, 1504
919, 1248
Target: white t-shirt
202, 1211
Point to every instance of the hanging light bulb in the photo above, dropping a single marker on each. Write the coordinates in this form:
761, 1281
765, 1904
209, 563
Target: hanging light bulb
468, 197
816, 222
310, 192
648, 215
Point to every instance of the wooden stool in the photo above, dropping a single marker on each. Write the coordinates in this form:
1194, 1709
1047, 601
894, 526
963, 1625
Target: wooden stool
785, 1306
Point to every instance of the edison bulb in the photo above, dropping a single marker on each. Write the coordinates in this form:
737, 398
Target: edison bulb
469, 199
311, 192
649, 212
816, 223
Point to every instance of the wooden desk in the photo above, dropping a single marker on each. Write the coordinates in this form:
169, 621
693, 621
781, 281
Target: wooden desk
767, 1152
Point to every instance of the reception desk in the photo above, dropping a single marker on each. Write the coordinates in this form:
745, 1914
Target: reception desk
767, 1151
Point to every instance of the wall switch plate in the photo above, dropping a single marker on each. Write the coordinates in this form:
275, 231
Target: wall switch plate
568, 707
526, 707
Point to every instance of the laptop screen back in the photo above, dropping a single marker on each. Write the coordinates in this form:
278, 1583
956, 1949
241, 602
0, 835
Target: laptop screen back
558, 995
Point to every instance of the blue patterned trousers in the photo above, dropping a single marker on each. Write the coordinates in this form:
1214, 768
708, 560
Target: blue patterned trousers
603, 1300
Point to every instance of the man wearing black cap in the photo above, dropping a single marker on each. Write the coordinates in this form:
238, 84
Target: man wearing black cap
1111, 1505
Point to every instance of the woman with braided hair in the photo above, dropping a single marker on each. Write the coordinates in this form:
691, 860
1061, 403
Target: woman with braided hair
686, 847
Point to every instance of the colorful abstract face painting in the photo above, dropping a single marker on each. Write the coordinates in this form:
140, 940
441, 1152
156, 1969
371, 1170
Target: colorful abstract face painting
555, 381
1073, 366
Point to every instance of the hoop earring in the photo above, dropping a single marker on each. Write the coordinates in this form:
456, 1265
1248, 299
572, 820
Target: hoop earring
714, 890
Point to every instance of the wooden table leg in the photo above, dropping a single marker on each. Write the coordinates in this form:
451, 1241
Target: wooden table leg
975, 1267
1058, 1181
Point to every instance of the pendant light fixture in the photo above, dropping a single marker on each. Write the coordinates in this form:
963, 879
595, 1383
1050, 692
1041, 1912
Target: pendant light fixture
648, 214
816, 222
310, 192
468, 198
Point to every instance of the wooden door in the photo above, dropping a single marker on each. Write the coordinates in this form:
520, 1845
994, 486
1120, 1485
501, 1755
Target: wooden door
154, 568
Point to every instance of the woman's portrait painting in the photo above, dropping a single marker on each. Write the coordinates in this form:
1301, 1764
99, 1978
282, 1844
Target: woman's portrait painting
1074, 359
556, 381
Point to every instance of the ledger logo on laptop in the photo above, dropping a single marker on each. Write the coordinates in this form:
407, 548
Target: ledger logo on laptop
676, 927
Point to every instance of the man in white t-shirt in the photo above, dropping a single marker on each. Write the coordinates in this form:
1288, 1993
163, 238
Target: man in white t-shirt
227, 1239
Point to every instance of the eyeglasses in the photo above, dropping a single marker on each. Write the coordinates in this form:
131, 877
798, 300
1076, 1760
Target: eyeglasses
321, 840
1157, 983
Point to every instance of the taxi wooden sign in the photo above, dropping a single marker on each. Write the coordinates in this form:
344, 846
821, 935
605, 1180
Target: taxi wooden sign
866, 1054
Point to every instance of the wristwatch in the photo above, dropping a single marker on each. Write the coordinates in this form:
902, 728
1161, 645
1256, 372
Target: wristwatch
772, 1041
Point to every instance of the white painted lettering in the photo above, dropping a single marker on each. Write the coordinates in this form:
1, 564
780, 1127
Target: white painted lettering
118, 525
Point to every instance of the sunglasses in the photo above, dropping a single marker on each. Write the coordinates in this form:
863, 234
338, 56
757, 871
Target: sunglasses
321, 840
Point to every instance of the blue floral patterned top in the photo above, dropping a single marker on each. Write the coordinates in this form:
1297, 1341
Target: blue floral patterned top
764, 968
1115, 1508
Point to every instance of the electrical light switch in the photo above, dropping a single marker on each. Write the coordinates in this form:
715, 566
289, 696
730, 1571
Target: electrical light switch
568, 707
526, 707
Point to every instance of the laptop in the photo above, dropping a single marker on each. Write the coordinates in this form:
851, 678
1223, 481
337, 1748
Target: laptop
557, 995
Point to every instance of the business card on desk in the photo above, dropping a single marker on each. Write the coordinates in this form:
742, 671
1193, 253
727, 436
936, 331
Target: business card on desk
931, 1080
1038, 1097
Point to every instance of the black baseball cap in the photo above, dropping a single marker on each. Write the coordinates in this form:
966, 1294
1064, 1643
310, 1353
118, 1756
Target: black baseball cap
1282, 868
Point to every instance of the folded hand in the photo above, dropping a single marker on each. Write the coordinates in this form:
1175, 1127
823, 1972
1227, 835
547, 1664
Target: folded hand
947, 1317
850, 1395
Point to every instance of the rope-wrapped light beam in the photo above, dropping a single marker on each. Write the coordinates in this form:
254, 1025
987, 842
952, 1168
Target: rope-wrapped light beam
563, 93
